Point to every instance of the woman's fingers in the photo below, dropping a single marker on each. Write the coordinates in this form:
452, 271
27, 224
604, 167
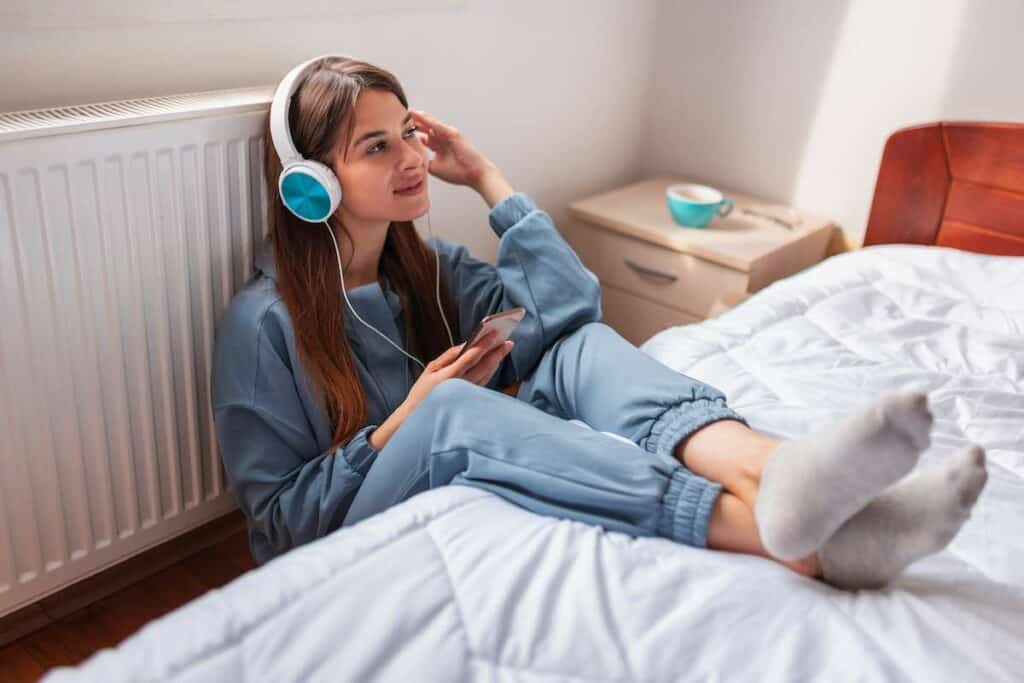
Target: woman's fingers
449, 356
470, 358
433, 124
482, 372
445, 358
421, 121
459, 366
431, 137
477, 365
435, 145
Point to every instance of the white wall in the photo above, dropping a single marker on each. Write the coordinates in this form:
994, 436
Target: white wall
793, 99
788, 99
555, 93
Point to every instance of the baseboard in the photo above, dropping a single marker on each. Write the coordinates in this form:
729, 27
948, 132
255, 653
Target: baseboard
72, 598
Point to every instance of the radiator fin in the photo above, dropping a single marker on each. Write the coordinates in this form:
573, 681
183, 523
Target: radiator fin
120, 249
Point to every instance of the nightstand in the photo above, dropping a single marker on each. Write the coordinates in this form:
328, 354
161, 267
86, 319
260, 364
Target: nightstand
656, 274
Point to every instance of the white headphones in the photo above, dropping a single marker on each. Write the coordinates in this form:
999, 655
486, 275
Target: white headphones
311, 191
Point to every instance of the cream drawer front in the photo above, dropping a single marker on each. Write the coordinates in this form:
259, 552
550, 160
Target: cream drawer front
680, 281
637, 319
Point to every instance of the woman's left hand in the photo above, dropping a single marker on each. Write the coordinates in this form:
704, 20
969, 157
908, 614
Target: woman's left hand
455, 161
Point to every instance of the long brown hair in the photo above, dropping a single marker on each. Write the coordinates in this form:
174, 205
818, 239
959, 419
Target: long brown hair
307, 270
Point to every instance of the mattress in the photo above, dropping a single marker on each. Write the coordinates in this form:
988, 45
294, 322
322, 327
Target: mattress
457, 584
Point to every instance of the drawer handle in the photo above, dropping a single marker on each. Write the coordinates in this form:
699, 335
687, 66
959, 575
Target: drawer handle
647, 270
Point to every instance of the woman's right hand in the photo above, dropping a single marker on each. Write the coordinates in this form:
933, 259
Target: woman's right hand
477, 365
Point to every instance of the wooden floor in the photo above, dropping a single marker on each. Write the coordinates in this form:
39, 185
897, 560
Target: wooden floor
107, 622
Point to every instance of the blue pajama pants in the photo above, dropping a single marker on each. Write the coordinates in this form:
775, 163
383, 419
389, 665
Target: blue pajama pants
525, 450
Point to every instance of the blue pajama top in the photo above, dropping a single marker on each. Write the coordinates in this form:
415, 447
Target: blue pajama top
275, 439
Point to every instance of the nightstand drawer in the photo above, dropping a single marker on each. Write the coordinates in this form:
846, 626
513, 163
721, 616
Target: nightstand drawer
676, 280
638, 319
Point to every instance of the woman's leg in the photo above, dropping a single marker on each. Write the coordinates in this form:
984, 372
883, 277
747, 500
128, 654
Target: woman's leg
595, 375
733, 528
909, 520
466, 434
774, 493
731, 453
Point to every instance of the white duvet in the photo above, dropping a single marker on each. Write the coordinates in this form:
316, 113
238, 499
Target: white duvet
456, 584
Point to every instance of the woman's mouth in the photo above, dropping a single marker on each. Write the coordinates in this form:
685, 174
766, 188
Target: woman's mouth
408, 192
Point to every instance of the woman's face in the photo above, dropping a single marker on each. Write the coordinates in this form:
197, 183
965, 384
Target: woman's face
384, 154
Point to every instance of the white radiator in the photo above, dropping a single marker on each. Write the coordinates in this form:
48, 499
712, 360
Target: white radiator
125, 228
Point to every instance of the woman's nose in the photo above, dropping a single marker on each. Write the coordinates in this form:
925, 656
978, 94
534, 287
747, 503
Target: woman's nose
414, 153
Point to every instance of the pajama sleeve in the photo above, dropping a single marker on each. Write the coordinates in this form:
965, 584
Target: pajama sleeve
290, 492
535, 269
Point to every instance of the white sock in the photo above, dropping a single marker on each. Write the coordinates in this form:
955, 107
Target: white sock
914, 518
810, 486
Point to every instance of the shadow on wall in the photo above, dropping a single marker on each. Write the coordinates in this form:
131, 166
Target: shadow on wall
889, 71
736, 90
794, 101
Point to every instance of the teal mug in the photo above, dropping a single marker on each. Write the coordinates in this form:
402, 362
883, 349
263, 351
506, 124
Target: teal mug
693, 206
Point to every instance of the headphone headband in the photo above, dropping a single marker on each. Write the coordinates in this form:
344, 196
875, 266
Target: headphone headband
280, 133
309, 189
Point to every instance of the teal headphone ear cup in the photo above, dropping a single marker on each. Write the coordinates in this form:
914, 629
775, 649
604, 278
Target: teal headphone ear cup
310, 190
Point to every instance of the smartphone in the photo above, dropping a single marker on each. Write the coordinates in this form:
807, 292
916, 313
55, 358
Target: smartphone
503, 322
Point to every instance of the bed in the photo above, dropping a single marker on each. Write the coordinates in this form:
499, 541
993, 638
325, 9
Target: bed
457, 584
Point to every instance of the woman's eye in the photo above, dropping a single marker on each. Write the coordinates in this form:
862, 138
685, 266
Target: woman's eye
373, 148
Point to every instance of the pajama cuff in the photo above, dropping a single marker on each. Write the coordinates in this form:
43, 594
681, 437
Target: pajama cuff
686, 508
510, 211
358, 452
678, 422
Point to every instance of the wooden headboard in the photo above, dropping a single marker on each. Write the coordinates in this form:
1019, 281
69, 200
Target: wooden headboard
954, 185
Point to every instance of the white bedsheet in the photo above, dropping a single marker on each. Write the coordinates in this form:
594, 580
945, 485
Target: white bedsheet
457, 584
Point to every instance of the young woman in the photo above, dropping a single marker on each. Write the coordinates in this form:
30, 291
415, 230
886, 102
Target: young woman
323, 423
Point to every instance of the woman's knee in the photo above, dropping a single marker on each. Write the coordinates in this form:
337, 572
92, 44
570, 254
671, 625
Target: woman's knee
454, 409
448, 399
594, 330
449, 394
589, 334
453, 389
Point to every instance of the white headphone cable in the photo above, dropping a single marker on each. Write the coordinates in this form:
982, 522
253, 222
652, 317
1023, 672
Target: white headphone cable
437, 281
437, 260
